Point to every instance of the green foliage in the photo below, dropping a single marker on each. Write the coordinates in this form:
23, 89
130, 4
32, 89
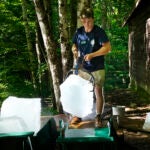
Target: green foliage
117, 61
15, 78
117, 70
111, 14
15, 73
16, 87
49, 111
4, 93
144, 96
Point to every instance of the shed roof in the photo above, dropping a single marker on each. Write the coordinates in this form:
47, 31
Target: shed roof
138, 5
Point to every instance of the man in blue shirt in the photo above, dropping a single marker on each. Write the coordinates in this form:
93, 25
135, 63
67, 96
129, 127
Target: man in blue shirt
90, 45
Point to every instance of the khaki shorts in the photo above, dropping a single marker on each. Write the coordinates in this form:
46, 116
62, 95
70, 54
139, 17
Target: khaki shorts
99, 76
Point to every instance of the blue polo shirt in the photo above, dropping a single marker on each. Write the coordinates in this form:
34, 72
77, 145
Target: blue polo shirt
88, 42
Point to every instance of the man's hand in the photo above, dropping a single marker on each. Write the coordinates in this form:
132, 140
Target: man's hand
102, 51
88, 57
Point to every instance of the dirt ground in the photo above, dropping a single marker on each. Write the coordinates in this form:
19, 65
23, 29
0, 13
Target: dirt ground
135, 105
136, 108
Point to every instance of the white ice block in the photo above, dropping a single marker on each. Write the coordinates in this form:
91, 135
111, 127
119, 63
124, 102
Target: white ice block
12, 124
28, 109
77, 96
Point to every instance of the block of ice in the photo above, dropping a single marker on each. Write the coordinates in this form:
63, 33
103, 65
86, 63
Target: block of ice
12, 124
29, 109
77, 96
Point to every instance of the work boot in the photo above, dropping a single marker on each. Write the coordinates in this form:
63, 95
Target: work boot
98, 121
75, 120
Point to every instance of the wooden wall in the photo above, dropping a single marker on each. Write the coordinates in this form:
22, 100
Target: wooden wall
139, 47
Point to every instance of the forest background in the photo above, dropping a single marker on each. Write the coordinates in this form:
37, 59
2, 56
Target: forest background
35, 44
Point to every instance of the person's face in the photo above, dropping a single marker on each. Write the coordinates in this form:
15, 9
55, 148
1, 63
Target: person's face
88, 23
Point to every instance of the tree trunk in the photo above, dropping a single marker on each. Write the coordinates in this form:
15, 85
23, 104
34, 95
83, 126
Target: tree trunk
29, 43
64, 37
40, 56
37, 47
73, 18
104, 14
148, 44
52, 58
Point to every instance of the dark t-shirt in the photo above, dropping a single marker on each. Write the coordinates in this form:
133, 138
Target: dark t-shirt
88, 43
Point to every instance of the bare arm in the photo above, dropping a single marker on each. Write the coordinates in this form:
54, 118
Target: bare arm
106, 48
75, 51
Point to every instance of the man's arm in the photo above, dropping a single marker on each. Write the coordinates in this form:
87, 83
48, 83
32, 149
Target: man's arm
106, 48
75, 51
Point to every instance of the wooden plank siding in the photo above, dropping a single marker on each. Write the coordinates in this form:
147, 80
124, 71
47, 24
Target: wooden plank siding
138, 46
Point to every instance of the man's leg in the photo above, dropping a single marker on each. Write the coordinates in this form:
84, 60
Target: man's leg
99, 99
99, 105
99, 82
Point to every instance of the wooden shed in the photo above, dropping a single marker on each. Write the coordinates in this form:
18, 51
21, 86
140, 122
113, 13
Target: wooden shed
139, 46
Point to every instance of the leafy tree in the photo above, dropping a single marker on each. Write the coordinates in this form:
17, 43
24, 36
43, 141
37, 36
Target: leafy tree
15, 74
110, 15
24, 52
52, 57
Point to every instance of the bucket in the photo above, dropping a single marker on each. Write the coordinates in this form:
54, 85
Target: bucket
118, 110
